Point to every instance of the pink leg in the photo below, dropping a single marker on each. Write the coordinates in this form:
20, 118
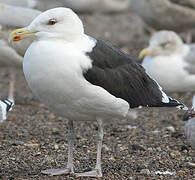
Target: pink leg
70, 167
97, 172
12, 84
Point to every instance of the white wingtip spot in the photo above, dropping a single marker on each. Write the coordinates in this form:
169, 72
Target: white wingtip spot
183, 107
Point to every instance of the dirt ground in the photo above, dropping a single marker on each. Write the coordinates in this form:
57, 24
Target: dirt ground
33, 138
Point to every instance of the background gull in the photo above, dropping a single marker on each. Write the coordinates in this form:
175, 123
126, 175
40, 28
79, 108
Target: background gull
189, 128
171, 62
14, 16
82, 78
11, 56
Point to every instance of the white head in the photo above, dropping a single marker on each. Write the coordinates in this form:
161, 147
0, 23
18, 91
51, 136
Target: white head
60, 23
163, 43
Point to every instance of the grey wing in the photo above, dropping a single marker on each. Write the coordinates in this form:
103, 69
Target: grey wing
190, 60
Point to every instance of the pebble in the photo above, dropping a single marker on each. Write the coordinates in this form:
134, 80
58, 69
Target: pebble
190, 132
155, 132
135, 147
105, 148
37, 154
171, 129
32, 145
56, 147
131, 127
55, 131
145, 171
191, 164
175, 154
181, 172
17, 143
51, 116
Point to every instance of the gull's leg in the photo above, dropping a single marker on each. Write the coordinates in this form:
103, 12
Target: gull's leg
188, 37
12, 74
70, 167
97, 172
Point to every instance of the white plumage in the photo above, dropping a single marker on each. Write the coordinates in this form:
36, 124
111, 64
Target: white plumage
70, 86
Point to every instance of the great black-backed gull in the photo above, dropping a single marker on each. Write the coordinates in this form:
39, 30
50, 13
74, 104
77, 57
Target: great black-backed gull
82, 78
170, 62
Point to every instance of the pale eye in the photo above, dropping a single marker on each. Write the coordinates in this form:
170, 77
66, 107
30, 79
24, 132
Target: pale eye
52, 22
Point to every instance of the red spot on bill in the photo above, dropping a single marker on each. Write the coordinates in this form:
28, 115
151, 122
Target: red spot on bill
17, 38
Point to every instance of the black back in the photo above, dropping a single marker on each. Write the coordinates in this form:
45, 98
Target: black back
123, 77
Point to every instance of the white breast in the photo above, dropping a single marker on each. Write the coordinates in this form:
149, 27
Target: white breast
169, 72
54, 73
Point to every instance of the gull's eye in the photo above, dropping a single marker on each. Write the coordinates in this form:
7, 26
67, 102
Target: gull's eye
164, 45
52, 22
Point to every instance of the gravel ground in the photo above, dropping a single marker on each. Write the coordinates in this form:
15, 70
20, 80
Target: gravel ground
33, 138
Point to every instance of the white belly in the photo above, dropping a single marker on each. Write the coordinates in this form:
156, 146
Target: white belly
56, 79
169, 73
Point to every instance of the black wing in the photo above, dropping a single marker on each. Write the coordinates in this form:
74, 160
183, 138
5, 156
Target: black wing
124, 78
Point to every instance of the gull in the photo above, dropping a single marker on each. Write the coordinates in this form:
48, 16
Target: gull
189, 127
12, 56
171, 62
83, 78
5, 106
22, 18
9, 58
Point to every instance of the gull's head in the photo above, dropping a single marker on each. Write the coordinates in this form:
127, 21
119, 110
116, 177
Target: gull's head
163, 43
60, 23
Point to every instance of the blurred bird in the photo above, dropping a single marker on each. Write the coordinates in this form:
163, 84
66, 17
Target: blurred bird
83, 78
171, 62
175, 15
5, 106
21, 3
14, 16
189, 128
11, 56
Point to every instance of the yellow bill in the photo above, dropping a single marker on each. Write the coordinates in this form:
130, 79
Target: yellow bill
20, 34
146, 52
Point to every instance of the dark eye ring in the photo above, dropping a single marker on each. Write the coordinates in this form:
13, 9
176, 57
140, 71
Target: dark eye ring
52, 22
